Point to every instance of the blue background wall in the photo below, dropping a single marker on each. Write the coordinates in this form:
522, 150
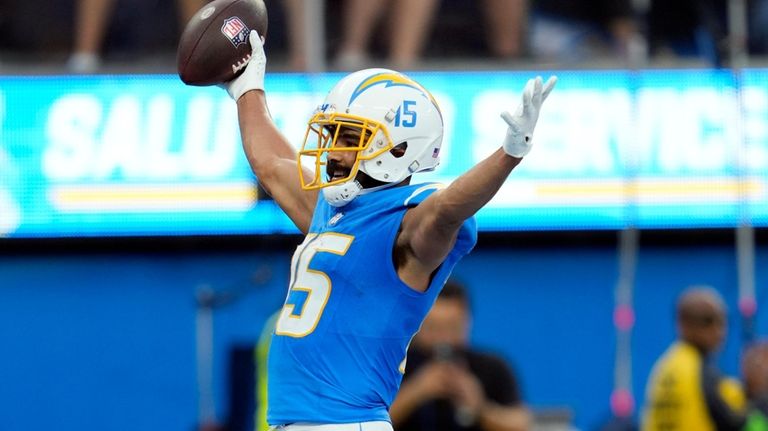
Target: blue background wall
107, 341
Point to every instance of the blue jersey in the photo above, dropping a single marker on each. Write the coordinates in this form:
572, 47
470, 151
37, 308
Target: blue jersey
339, 347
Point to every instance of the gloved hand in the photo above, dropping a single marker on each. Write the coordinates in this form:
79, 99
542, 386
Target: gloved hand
252, 77
521, 124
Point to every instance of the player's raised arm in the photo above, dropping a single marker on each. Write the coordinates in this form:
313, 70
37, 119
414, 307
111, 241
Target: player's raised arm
430, 229
271, 156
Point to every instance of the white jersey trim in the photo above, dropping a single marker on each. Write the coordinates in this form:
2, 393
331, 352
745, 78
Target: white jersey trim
421, 190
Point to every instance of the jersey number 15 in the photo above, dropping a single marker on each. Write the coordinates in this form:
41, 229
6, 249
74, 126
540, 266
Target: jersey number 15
315, 284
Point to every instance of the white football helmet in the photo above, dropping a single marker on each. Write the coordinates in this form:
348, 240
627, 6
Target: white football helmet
388, 110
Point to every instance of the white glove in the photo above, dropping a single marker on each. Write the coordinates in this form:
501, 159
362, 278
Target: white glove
252, 77
521, 124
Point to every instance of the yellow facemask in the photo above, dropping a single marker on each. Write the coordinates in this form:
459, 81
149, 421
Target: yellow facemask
323, 136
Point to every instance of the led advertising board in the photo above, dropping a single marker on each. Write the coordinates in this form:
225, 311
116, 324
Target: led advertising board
147, 155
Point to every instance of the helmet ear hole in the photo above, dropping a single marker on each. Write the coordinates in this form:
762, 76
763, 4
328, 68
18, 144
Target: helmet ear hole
399, 150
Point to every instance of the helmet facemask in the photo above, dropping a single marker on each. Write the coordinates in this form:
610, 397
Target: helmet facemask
330, 132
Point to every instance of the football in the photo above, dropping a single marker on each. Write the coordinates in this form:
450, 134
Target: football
214, 46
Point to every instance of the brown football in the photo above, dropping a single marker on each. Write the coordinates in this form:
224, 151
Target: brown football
214, 46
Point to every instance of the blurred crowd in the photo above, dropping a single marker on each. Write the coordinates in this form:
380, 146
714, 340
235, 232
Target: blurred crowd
404, 34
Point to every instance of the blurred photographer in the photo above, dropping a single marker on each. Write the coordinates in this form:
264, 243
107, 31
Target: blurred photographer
447, 386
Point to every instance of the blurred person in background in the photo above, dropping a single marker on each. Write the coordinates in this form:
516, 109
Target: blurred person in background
754, 366
260, 355
758, 27
91, 20
410, 22
505, 21
296, 33
448, 385
688, 29
686, 391
578, 30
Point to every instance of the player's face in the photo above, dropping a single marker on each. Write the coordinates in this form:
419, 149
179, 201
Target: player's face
447, 323
714, 330
708, 329
755, 370
340, 162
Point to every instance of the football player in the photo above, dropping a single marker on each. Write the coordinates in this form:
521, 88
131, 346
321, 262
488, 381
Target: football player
378, 249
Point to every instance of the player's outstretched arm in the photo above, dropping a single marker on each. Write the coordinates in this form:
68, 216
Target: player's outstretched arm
269, 153
430, 228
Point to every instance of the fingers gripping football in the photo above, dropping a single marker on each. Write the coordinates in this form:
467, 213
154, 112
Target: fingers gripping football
252, 77
517, 142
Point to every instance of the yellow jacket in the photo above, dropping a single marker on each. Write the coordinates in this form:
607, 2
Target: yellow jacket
682, 396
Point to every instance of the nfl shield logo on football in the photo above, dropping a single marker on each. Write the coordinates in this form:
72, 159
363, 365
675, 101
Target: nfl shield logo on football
235, 31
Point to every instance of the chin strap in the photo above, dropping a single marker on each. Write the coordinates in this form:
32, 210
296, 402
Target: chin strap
342, 194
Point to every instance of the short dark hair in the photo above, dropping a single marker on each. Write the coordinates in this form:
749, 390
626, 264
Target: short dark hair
456, 291
691, 306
